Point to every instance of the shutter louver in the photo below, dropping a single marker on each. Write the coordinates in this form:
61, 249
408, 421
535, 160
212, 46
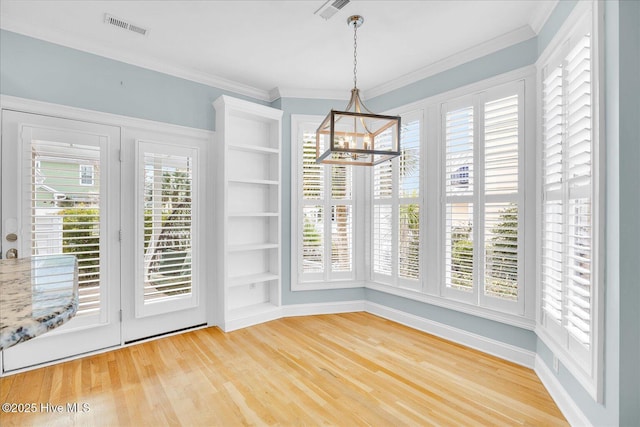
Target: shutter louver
501, 146
312, 173
567, 193
409, 162
501, 250
312, 239
383, 181
382, 239
459, 158
578, 166
501, 178
459, 152
341, 238
66, 212
552, 205
459, 246
168, 186
409, 241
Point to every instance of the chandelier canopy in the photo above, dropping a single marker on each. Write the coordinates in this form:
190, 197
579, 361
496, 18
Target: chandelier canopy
357, 136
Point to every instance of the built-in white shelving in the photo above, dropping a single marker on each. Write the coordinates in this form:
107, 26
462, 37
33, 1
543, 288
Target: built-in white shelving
248, 139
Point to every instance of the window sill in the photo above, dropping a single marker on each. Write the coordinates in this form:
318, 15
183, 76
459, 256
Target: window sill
486, 313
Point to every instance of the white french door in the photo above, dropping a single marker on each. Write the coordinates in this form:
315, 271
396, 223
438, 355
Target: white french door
129, 204
60, 182
163, 233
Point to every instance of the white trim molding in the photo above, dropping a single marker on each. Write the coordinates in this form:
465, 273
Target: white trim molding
25, 105
565, 403
498, 43
313, 309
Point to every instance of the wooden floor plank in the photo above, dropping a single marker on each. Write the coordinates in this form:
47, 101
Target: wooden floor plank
347, 369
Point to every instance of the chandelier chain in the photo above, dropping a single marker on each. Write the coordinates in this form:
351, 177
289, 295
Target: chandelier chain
355, 54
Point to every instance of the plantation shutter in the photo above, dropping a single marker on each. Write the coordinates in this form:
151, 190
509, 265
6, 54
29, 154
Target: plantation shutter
327, 215
501, 185
168, 225
552, 204
459, 186
566, 267
341, 218
383, 219
579, 181
66, 211
313, 216
409, 202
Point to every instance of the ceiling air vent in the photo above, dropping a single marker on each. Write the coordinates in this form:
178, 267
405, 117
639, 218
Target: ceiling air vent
330, 8
121, 23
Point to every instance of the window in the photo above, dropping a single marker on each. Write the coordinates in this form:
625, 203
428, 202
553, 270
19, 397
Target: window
70, 222
569, 176
325, 230
442, 223
166, 227
86, 174
481, 141
396, 212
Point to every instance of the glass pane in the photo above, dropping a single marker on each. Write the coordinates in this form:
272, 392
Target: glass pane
312, 239
167, 226
459, 246
312, 173
341, 238
382, 239
66, 211
501, 250
459, 152
341, 180
409, 161
501, 142
409, 241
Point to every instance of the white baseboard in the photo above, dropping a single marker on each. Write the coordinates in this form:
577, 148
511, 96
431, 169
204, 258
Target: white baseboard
323, 308
487, 345
565, 403
252, 319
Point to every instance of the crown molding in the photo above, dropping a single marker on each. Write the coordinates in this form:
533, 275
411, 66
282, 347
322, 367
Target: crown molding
538, 20
284, 92
147, 63
519, 35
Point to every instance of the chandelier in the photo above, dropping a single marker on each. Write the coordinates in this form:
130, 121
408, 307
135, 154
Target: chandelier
357, 136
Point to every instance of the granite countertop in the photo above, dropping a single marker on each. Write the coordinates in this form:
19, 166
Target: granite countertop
37, 295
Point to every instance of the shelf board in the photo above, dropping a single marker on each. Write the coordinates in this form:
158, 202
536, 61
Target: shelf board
254, 181
251, 278
240, 248
254, 149
251, 310
249, 214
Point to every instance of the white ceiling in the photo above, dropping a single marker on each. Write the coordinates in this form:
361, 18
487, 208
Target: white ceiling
256, 46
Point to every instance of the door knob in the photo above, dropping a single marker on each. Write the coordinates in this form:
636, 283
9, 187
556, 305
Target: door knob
11, 237
12, 253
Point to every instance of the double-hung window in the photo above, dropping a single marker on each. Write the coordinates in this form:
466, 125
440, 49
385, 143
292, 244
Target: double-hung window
482, 198
396, 212
568, 262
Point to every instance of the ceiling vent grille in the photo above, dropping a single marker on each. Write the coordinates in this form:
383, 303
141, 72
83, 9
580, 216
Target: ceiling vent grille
330, 8
121, 23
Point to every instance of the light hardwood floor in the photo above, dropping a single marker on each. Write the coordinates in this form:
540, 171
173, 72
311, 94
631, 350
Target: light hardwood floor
346, 369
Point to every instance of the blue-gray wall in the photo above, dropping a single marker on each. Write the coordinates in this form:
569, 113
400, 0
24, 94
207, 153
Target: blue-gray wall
39, 70
629, 179
35, 69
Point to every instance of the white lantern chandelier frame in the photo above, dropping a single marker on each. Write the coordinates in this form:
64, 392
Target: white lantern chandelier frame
357, 136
